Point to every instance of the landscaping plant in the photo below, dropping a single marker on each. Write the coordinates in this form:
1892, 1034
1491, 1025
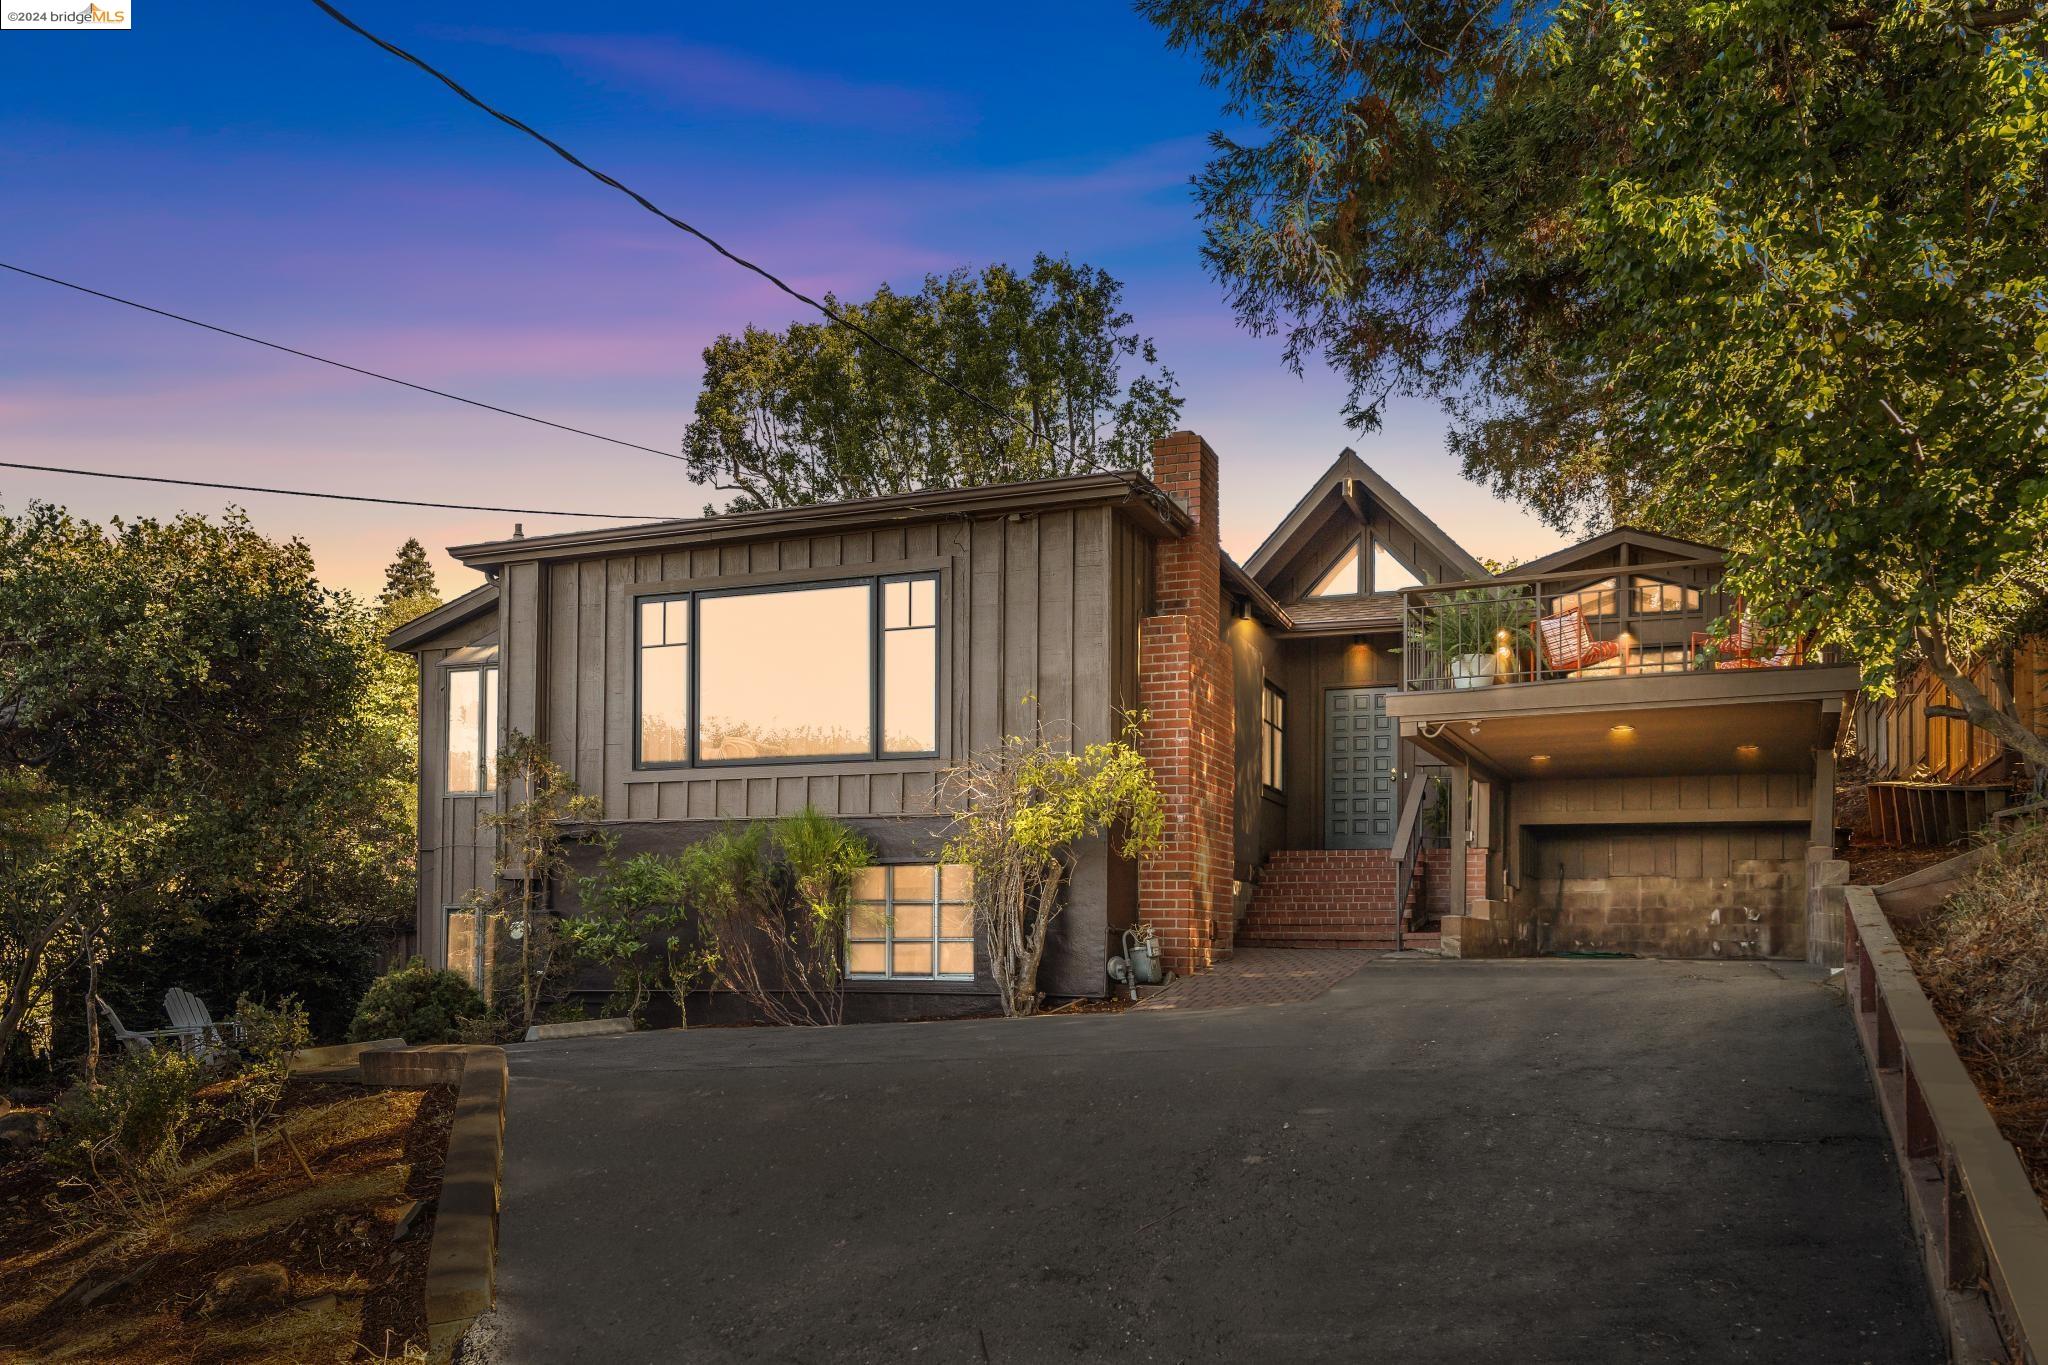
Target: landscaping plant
533, 857
770, 903
635, 923
269, 1039
1025, 805
418, 1003
121, 1140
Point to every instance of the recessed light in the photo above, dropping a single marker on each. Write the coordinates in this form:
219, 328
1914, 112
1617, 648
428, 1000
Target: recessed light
1622, 731
1539, 758
1747, 750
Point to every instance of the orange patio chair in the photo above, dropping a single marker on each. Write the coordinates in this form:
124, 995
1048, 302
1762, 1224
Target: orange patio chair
1568, 647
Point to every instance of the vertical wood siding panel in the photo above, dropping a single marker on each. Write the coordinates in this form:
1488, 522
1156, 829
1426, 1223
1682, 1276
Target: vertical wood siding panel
561, 631
1055, 624
617, 690
1020, 625
985, 684
586, 665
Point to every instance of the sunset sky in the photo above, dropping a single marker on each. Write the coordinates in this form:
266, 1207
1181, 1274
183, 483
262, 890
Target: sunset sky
261, 168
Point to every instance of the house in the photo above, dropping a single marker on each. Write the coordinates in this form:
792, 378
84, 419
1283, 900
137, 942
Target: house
1588, 753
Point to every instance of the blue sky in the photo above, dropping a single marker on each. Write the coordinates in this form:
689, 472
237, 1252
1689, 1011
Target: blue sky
260, 167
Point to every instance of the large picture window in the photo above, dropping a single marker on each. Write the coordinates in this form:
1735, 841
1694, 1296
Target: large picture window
470, 947
824, 671
912, 920
472, 753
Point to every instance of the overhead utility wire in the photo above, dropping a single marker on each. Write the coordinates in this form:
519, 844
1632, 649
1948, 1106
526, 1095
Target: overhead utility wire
337, 364
831, 314
335, 497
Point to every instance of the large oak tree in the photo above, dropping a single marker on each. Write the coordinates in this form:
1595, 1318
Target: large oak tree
1771, 272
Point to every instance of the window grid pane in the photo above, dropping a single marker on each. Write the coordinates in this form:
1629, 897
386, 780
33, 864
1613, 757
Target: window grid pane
910, 666
465, 723
911, 921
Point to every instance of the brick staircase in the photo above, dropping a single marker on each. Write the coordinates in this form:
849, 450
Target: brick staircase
1326, 898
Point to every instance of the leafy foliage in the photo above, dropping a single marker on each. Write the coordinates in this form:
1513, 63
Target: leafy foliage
1765, 272
269, 1038
1024, 806
210, 791
121, 1140
813, 414
635, 924
418, 1003
543, 802
408, 579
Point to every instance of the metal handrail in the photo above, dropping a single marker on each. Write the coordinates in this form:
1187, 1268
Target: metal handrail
1552, 575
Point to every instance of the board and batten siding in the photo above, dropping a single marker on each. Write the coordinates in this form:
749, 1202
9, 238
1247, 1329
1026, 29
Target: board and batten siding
456, 850
1036, 621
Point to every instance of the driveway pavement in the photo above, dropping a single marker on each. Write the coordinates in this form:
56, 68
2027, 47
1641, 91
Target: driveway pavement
1434, 1161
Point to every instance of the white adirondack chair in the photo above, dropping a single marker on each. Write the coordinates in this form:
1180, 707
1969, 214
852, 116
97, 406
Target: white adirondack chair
132, 1041
189, 1016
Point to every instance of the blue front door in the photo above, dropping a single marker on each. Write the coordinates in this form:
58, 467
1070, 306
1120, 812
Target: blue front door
1360, 780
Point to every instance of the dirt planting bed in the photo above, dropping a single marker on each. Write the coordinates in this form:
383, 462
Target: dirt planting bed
240, 1264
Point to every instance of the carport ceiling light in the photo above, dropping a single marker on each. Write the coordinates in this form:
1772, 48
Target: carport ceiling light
1539, 758
1747, 750
1622, 731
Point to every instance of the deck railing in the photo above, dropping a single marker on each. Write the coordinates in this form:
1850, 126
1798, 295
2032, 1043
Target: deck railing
1669, 617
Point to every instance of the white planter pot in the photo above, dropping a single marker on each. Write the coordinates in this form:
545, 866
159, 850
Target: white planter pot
1473, 670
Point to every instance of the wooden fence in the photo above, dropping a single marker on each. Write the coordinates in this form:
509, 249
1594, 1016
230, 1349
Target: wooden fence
1899, 741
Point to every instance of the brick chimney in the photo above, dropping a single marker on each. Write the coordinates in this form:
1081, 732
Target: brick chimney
1185, 688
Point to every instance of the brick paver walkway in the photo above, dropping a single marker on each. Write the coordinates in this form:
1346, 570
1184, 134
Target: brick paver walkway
1261, 976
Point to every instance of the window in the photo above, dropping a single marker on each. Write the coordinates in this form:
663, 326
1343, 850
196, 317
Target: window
1595, 599
1342, 578
664, 680
1388, 573
1273, 739
1347, 576
912, 921
472, 731
472, 944
1653, 596
823, 671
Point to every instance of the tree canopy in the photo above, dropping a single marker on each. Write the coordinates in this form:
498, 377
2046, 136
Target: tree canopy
200, 786
409, 578
1769, 273
814, 414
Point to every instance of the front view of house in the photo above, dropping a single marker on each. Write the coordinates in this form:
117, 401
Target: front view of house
1591, 752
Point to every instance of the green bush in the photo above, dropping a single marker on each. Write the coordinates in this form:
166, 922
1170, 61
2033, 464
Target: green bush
417, 1003
122, 1139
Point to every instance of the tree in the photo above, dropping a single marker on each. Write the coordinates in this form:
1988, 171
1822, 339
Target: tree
815, 414
193, 788
409, 580
1024, 804
1765, 272
532, 860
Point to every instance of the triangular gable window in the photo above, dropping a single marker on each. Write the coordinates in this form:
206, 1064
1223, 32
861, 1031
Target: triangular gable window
1388, 573
1342, 579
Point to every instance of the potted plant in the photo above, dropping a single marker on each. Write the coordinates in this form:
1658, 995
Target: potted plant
1468, 625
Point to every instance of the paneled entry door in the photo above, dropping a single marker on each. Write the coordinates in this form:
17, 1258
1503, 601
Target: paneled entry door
1360, 741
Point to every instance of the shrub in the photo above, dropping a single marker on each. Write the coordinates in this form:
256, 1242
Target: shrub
418, 1003
122, 1139
269, 1038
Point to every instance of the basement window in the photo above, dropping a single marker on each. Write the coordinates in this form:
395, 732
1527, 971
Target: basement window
912, 921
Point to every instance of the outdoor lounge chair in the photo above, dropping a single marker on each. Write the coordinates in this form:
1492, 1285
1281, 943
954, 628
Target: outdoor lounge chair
1568, 647
189, 1015
132, 1041
1741, 647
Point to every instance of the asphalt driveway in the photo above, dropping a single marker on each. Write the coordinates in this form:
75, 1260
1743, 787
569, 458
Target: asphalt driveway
1435, 1161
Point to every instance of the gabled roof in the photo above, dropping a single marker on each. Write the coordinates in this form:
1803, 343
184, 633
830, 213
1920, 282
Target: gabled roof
473, 603
1661, 547
1347, 466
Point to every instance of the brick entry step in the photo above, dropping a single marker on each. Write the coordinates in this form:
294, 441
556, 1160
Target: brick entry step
1326, 898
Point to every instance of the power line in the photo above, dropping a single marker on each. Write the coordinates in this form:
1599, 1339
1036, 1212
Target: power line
831, 314
337, 364
334, 497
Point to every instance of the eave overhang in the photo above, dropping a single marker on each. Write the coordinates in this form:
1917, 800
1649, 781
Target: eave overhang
473, 603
